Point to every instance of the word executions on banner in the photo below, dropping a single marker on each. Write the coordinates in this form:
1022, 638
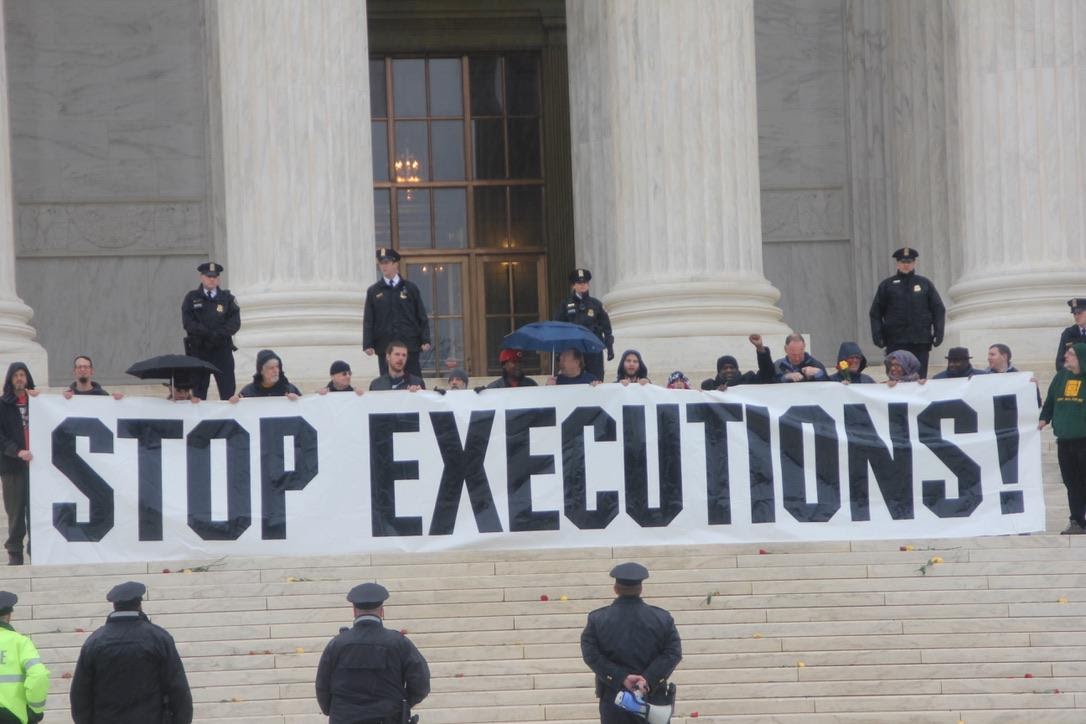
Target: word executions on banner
143, 479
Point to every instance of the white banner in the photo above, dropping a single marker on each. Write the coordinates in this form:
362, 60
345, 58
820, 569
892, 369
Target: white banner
146, 479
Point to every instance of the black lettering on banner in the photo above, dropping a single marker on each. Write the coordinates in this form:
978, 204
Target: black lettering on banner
763, 506
463, 467
635, 463
275, 479
574, 475
826, 464
1006, 432
149, 435
521, 465
98, 491
893, 467
385, 471
714, 415
239, 511
967, 471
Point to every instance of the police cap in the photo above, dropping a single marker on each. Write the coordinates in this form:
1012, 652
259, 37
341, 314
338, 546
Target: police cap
210, 269
386, 253
7, 601
368, 595
629, 574
958, 353
906, 253
1078, 304
125, 592
580, 275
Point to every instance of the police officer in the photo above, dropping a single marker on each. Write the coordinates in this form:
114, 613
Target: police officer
1075, 333
394, 311
211, 317
629, 645
907, 312
24, 680
587, 311
369, 674
129, 671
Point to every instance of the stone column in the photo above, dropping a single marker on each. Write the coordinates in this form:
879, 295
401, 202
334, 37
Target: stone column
1022, 94
297, 177
666, 179
18, 339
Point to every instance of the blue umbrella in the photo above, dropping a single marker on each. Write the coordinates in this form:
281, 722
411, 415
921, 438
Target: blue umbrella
553, 337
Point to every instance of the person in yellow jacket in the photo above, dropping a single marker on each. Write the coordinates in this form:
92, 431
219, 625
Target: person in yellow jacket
24, 680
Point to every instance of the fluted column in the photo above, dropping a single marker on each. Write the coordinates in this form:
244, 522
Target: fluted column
18, 339
666, 179
1022, 96
297, 176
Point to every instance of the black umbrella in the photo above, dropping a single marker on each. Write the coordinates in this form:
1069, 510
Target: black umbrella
171, 367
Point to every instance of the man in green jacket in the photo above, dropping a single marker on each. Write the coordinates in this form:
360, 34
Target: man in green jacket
24, 680
1065, 408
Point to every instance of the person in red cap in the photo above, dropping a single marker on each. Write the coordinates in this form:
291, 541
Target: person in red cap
512, 376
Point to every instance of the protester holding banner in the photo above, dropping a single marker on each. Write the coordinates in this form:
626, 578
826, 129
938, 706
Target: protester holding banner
512, 375
728, 374
340, 374
15, 458
851, 363
398, 377
632, 369
571, 370
902, 366
83, 371
1065, 408
797, 365
629, 645
269, 380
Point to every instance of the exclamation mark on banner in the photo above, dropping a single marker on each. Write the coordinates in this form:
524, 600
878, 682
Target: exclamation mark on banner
1006, 432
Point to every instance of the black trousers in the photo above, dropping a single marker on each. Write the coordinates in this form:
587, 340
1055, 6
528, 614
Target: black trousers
223, 358
17, 505
412, 367
919, 350
593, 364
611, 714
1071, 455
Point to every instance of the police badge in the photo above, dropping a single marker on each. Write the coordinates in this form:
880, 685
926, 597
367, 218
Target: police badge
218, 308
403, 294
592, 312
916, 287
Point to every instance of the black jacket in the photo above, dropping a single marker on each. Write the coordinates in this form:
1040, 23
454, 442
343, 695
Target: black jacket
281, 387
210, 323
766, 373
96, 389
1070, 336
503, 382
630, 637
12, 433
783, 367
129, 672
907, 310
394, 313
386, 382
368, 671
588, 312
846, 350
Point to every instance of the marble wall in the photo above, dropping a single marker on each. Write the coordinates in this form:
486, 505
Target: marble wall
109, 118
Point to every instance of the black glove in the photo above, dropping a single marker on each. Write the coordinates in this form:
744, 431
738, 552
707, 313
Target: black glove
34, 718
610, 353
936, 341
878, 342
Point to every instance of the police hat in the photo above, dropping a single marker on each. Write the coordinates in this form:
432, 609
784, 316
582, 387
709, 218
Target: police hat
629, 574
339, 366
385, 253
580, 275
368, 595
210, 269
1077, 305
127, 591
7, 601
906, 253
958, 354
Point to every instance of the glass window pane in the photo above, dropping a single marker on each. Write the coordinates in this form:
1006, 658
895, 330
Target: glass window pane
410, 165
527, 215
448, 150
446, 96
485, 83
448, 291
524, 156
382, 217
378, 100
488, 148
522, 84
450, 218
525, 287
379, 139
496, 329
448, 349
490, 216
409, 87
413, 215
496, 288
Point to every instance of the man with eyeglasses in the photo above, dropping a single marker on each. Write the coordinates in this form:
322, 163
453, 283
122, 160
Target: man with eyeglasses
83, 371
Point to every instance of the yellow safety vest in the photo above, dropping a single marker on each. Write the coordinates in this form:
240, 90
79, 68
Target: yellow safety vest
24, 680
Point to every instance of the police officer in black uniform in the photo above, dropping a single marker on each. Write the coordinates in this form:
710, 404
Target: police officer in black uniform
587, 311
1075, 333
129, 671
369, 674
907, 312
630, 646
211, 317
394, 311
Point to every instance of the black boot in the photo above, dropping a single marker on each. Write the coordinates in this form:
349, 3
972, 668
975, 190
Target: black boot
15, 558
